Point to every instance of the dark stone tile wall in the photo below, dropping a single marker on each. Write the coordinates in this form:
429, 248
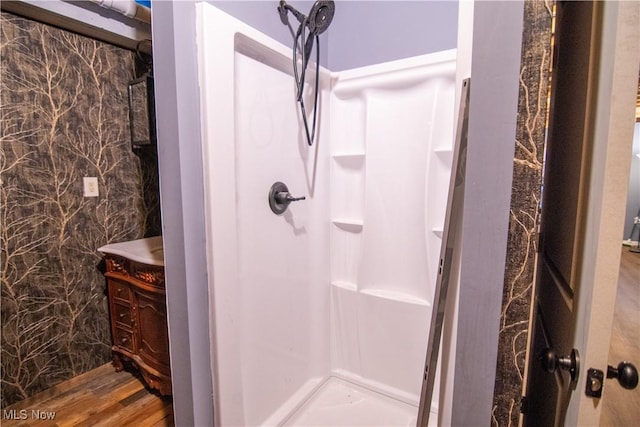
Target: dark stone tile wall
64, 116
525, 201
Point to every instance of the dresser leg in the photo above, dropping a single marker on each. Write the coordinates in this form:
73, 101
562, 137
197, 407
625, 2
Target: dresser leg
117, 362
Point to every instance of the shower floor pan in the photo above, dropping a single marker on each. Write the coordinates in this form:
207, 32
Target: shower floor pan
342, 403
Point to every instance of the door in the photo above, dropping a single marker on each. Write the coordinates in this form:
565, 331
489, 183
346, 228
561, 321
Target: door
586, 170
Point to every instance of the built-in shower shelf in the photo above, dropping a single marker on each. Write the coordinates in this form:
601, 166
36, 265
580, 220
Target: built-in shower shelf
444, 154
437, 232
349, 286
345, 156
396, 296
353, 226
385, 294
350, 160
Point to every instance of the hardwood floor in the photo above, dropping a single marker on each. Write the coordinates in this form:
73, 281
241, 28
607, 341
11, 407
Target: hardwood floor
101, 397
621, 407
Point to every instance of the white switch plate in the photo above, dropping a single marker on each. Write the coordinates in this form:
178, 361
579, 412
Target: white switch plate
90, 186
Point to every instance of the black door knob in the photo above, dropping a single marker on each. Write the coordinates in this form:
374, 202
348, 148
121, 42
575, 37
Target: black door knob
551, 362
626, 374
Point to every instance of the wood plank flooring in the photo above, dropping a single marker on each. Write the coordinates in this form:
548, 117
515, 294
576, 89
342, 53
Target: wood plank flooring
101, 397
621, 407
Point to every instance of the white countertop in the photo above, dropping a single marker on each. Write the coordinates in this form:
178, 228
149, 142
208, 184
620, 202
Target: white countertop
147, 251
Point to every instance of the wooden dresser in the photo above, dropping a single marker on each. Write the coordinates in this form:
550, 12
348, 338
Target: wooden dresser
137, 309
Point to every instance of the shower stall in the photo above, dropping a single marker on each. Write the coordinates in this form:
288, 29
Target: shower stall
320, 314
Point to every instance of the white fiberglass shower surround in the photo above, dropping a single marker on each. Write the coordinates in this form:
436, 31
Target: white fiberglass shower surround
320, 316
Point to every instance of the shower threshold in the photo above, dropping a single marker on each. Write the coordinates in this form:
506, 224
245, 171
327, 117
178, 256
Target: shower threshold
338, 402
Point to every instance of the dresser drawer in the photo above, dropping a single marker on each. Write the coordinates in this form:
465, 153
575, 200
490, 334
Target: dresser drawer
119, 290
123, 339
122, 314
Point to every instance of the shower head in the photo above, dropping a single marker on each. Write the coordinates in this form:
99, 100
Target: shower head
319, 18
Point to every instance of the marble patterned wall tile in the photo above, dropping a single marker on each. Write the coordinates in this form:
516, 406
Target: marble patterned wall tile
64, 116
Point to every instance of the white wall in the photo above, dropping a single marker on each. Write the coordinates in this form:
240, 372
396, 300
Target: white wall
182, 199
362, 32
495, 67
369, 32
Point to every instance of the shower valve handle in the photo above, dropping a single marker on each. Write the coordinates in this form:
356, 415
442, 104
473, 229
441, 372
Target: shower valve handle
284, 197
280, 198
